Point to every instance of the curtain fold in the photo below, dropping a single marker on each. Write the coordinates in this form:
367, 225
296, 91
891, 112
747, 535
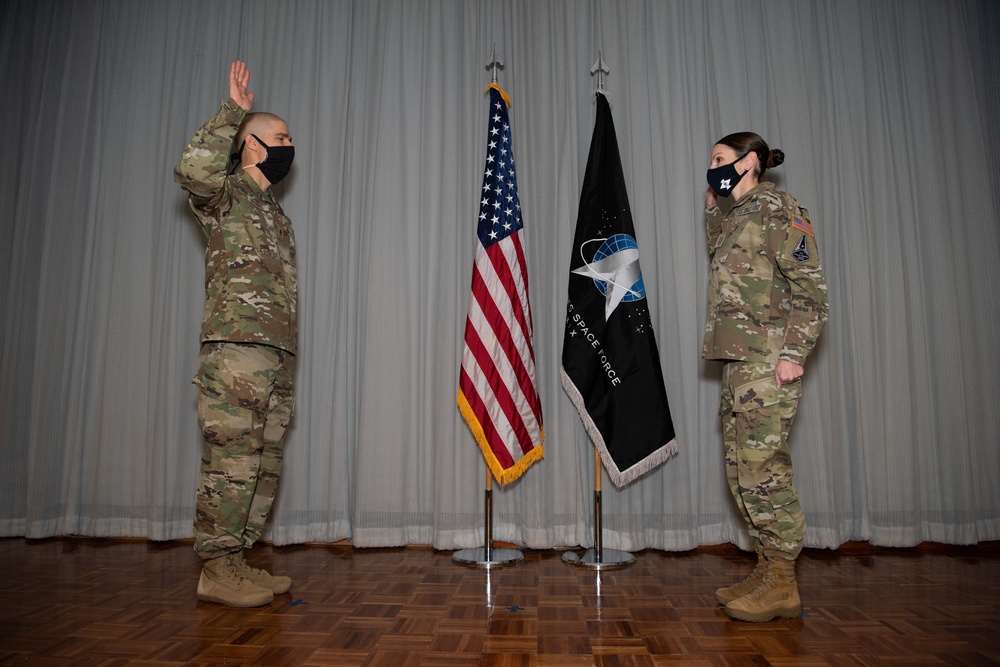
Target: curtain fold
887, 112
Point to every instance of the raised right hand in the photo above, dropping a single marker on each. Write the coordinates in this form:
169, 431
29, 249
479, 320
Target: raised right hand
239, 78
710, 198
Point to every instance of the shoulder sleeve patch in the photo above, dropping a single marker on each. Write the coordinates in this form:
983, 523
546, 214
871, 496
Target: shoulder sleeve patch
802, 225
801, 252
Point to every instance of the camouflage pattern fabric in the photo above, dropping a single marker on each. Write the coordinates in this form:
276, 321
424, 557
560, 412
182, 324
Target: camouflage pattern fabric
756, 419
249, 333
767, 294
767, 302
245, 405
250, 275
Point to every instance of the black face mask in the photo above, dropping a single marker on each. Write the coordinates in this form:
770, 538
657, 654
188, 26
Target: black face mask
277, 163
723, 179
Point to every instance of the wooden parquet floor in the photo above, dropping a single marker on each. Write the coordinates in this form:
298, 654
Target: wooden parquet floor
107, 602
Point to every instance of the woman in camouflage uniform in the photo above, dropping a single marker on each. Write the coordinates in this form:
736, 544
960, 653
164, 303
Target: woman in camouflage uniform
767, 303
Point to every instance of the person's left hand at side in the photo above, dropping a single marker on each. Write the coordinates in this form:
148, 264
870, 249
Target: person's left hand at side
786, 371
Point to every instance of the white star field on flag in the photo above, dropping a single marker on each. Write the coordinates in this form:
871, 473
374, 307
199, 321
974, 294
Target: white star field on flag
499, 209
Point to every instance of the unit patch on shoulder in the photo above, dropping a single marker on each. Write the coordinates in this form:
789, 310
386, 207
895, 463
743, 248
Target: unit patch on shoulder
801, 225
801, 252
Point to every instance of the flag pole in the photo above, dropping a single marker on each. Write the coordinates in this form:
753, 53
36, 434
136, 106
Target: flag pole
599, 558
598, 542
488, 503
487, 556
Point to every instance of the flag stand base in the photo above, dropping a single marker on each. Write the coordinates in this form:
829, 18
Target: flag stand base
607, 559
487, 556
599, 558
483, 557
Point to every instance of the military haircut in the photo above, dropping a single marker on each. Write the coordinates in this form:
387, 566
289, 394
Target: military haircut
254, 123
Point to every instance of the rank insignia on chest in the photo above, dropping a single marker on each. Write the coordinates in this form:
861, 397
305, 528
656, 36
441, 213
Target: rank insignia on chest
801, 225
801, 252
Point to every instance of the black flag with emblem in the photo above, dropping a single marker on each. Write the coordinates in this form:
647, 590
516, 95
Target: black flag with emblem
610, 364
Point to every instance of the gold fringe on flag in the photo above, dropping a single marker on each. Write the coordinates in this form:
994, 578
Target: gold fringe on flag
504, 477
503, 93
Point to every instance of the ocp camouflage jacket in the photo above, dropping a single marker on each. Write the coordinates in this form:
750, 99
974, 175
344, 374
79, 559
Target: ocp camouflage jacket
250, 279
767, 298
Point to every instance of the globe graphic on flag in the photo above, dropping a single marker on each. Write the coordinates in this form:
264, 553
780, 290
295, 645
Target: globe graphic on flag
611, 245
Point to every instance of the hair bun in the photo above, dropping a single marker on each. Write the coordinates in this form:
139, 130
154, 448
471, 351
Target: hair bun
775, 157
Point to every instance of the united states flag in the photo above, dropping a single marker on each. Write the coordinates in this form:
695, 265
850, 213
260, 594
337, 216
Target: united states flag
497, 395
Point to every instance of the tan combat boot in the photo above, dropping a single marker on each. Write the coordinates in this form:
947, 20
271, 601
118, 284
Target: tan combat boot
220, 582
726, 595
776, 596
263, 578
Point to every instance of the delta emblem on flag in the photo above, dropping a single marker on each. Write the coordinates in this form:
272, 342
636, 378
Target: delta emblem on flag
497, 395
610, 364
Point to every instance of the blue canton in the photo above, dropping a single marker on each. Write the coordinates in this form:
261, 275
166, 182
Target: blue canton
500, 209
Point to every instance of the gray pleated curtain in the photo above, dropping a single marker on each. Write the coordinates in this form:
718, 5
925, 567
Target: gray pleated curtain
887, 113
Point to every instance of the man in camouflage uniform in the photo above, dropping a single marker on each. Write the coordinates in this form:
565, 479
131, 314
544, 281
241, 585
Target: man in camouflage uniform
249, 335
767, 305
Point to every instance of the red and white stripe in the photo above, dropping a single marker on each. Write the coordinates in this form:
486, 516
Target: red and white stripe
497, 378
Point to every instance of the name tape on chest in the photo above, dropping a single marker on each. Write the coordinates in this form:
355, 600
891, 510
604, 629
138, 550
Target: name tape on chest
752, 208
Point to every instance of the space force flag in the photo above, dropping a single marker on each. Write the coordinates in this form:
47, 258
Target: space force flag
610, 366
496, 388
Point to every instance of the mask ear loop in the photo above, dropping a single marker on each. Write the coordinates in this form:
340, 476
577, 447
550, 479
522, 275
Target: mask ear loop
746, 171
235, 158
265, 146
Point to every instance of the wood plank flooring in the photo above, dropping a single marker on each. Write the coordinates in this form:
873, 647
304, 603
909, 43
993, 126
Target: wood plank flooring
114, 602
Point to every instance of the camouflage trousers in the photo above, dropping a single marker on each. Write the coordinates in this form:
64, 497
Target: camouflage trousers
756, 419
245, 405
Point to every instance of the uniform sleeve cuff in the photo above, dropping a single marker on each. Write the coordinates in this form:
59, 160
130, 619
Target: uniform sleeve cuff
233, 111
795, 356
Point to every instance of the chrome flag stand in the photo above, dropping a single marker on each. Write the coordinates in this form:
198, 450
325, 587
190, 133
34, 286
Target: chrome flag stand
486, 555
599, 558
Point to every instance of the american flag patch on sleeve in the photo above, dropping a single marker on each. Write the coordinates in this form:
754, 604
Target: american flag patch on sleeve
801, 225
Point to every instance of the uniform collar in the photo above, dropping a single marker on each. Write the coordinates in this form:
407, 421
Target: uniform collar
761, 187
254, 188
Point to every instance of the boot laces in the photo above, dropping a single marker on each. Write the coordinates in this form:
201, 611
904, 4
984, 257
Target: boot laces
758, 573
233, 564
767, 583
243, 568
